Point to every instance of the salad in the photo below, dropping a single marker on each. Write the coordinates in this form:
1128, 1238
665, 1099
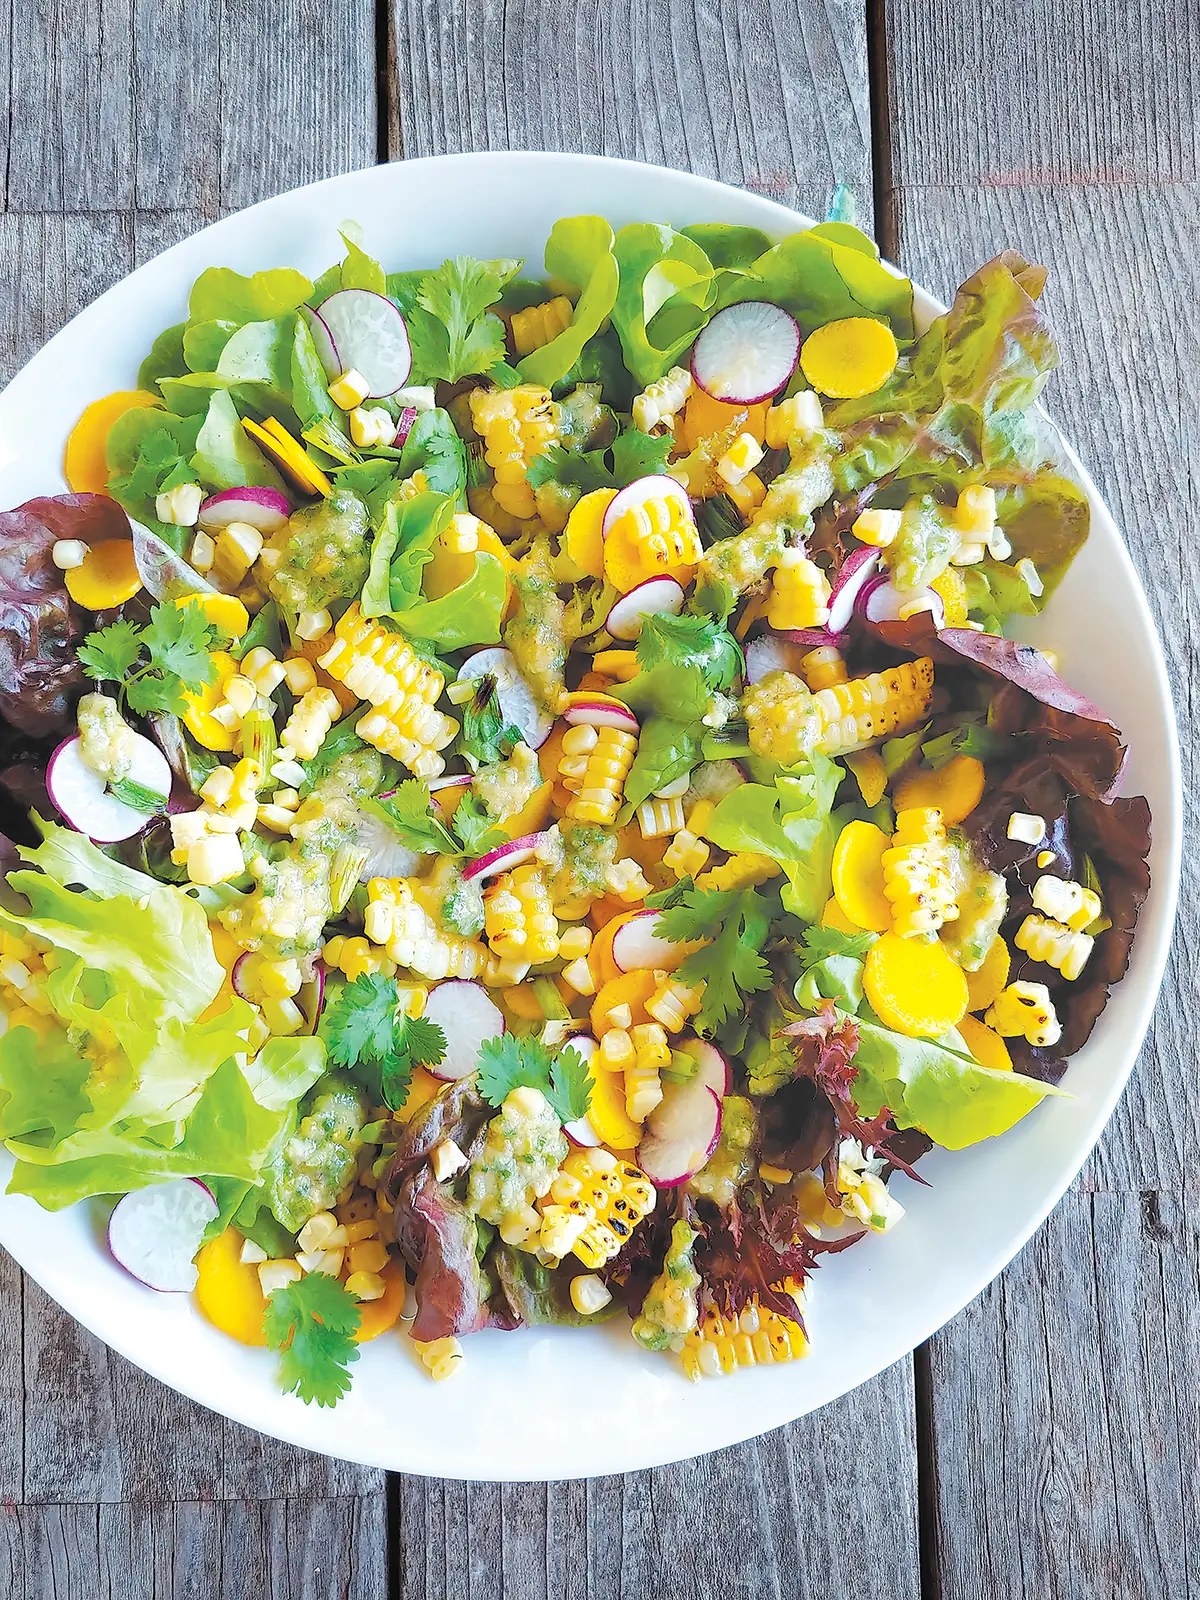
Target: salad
522, 805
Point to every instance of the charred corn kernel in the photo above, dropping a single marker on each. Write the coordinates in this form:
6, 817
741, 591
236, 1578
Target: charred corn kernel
537, 325
659, 817
180, 506
877, 528
598, 788
518, 918
744, 870
579, 975
747, 493
238, 547
1026, 827
312, 717
626, 880
203, 552
441, 1358
410, 937
951, 586
371, 426
299, 675
67, 554
798, 418
366, 1286
382, 668
823, 668
742, 457
861, 710
516, 426
672, 1003
916, 873
589, 1294
686, 855
574, 942
643, 1087
1066, 901
313, 625
799, 596
616, 1049
349, 390
753, 1338
1055, 944
610, 1196
660, 403
657, 537
1025, 1011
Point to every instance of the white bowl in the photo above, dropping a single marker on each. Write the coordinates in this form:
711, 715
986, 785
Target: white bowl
560, 1403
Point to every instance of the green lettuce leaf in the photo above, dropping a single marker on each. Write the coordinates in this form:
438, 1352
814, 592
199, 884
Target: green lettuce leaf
221, 294
829, 272
665, 290
403, 543
791, 821
226, 457
579, 253
165, 359
434, 448
203, 343
285, 1070
470, 614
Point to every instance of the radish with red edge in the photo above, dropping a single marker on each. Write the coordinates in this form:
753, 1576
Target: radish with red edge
322, 339
467, 1016
657, 486
601, 714
370, 337
813, 638
773, 652
405, 426
155, 1233
856, 574
581, 1131
638, 947
746, 353
656, 597
264, 509
386, 856
516, 700
884, 602
713, 1068
680, 1133
513, 853
84, 800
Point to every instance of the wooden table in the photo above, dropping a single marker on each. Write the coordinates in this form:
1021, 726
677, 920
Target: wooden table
1046, 1443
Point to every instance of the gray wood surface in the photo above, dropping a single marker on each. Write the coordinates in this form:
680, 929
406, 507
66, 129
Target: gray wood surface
1045, 1443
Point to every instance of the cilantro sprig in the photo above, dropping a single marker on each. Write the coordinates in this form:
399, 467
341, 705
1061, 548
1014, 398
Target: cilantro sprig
153, 665
365, 1031
734, 924
486, 737
507, 1063
408, 811
632, 455
688, 641
819, 943
312, 1323
453, 333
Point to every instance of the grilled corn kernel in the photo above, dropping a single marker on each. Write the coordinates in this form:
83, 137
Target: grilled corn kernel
916, 873
799, 596
612, 1197
519, 920
537, 325
823, 668
672, 1003
720, 1345
878, 528
599, 785
1057, 945
516, 426
660, 403
1025, 1011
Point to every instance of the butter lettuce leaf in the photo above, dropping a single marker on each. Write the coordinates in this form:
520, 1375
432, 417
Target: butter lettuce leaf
579, 254
792, 821
665, 289
403, 544
221, 294
470, 614
226, 457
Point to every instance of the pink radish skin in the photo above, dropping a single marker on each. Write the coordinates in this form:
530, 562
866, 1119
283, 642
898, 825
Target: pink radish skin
83, 799
264, 509
515, 698
655, 597
681, 1133
154, 1233
467, 1016
237, 977
857, 571
746, 353
638, 948
655, 487
370, 337
510, 854
813, 638
883, 601
714, 1069
581, 1132
597, 714
323, 342
405, 426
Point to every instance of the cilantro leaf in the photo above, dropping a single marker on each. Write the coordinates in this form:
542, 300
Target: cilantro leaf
365, 1030
689, 641
112, 651
148, 694
507, 1063
179, 639
584, 470
312, 1323
818, 944
453, 332
638, 455
408, 812
476, 828
734, 922
972, 737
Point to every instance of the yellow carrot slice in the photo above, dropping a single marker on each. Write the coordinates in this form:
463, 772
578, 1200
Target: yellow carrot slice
858, 876
915, 988
850, 358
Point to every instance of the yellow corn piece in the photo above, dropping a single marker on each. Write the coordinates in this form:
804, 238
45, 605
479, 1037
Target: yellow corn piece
799, 596
594, 1204
916, 874
516, 426
312, 717
643, 1087
537, 325
823, 668
655, 538
1057, 945
672, 1003
599, 782
1025, 1011
744, 870
519, 921
395, 919
356, 956
660, 403
860, 711
754, 1338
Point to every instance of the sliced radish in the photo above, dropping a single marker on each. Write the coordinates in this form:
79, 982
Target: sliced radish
713, 780
510, 854
405, 426
856, 572
155, 1233
238, 977
638, 947
680, 1133
386, 856
370, 336
600, 714
883, 603
747, 352
773, 652
311, 998
467, 1016
323, 342
581, 1131
655, 487
814, 638
264, 509
655, 597
84, 800
714, 1069
516, 700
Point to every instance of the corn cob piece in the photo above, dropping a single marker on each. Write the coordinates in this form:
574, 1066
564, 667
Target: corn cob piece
657, 818
687, 853
396, 920
519, 921
382, 668
356, 956
441, 1358
312, 717
823, 668
655, 538
643, 1087
594, 1204
799, 596
660, 403
795, 419
516, 426
672, 1003
1066, 901
1025, 1011
916, 873
537, 325
1055, 944
860, 711
744, 870
626, 881
754, 1338
594, 765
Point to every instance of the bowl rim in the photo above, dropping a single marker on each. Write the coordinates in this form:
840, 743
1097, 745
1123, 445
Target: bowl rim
1154, 937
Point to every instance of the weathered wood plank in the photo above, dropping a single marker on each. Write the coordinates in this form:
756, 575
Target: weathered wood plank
770, 95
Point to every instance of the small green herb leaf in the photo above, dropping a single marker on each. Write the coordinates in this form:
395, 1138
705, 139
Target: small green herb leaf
312, 1323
